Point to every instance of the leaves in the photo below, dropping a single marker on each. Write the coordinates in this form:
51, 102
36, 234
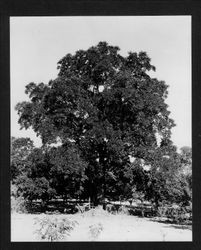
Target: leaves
108, 107
53, 229
20, 150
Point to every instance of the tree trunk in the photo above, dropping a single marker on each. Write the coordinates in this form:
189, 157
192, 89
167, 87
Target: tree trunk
43, 205
93, 195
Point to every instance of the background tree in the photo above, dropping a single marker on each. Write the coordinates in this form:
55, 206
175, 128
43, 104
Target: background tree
20, 150
35, 181
52, 172
105, 103
186, 159
168, 180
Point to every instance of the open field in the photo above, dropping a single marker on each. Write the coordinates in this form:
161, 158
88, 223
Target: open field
118, 227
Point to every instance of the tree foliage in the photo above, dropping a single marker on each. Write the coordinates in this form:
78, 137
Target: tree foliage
103, 107
20, 150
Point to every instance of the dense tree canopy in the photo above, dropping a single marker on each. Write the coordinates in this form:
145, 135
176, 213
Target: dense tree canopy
103, 107
20, 150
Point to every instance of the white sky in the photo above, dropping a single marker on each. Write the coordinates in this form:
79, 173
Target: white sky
38, 43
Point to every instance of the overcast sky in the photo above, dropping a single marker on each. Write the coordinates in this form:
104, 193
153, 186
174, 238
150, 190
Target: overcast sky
38, 43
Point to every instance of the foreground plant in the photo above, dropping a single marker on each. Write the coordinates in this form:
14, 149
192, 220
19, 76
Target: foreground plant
95, 230
54, 229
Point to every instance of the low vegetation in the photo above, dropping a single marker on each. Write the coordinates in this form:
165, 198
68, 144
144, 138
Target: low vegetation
54, 229
95, 230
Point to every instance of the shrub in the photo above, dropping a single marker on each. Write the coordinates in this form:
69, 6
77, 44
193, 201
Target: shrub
111, 208
123, 210
177, 214
162, 210
95, 230
53, 229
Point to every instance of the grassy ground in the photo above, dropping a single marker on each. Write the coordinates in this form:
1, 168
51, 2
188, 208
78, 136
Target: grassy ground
99, 225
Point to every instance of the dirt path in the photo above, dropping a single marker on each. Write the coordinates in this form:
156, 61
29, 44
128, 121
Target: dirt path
114, 228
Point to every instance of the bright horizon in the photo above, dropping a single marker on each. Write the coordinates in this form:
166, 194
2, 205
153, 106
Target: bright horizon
38, 43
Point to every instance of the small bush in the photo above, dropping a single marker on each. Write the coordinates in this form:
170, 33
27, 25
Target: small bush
53, 229
95, 230
111, 208
123, 210
178, 214
162, 211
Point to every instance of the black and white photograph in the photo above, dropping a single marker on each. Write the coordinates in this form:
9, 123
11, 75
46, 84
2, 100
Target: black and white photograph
101, 144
